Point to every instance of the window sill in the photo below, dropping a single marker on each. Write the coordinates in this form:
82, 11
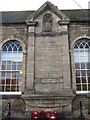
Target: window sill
82, 92
10, 93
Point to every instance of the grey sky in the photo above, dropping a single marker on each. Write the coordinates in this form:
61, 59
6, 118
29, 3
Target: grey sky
18, 5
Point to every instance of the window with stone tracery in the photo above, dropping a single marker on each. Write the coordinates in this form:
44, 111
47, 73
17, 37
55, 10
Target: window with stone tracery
11, 67
47, 22
82, 65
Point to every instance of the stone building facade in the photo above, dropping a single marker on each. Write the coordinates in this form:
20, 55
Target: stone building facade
46, 43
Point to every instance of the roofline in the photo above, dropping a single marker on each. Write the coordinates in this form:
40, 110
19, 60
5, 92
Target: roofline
36, 10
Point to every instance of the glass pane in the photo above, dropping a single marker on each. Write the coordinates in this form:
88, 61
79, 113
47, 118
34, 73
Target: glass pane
3, 67
77, 43
14, 81
5, 48
88, 65
83, 73
10, 48
78, 80
13, 67
8, 75
88, 79
18, 45
78, 87
3, 62
19, 77
2, 88
8, 62
19, 67
83, 43
77, 72
88, 86
13, 88
14, 75
14, 62
20, 48
81, 46
76, 46
8, 65
7, 55
8, 88
77, 65
88, 73
82, 65
18, 89
7, 81
84, 80
2, 81
84, 87
86, 46
15, 48
2, 75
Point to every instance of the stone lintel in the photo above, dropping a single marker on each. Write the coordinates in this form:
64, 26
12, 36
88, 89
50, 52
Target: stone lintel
31, 23
63, 22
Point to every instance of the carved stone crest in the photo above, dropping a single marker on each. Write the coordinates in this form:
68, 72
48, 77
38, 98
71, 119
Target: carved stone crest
47, 22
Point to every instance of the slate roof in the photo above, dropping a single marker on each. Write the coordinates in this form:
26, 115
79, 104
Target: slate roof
16, 16
78, 15
21, 16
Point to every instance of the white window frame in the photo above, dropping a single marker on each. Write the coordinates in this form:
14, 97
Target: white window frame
81, 55
19, 46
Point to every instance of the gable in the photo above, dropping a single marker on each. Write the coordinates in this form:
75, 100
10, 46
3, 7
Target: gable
48, 6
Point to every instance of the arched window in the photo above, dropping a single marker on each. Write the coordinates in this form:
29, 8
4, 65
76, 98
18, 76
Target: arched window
11, 67
82, 65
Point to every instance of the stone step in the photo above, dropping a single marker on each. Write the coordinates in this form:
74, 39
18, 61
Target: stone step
45, 101
28, 115
19, 114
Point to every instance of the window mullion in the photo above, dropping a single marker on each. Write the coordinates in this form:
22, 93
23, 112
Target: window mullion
80, 76
87, 76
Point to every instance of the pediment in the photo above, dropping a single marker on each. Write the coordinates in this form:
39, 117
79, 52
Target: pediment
52, 8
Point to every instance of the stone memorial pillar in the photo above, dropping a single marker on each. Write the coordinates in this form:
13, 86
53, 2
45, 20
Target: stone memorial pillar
65, 56
30, 57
